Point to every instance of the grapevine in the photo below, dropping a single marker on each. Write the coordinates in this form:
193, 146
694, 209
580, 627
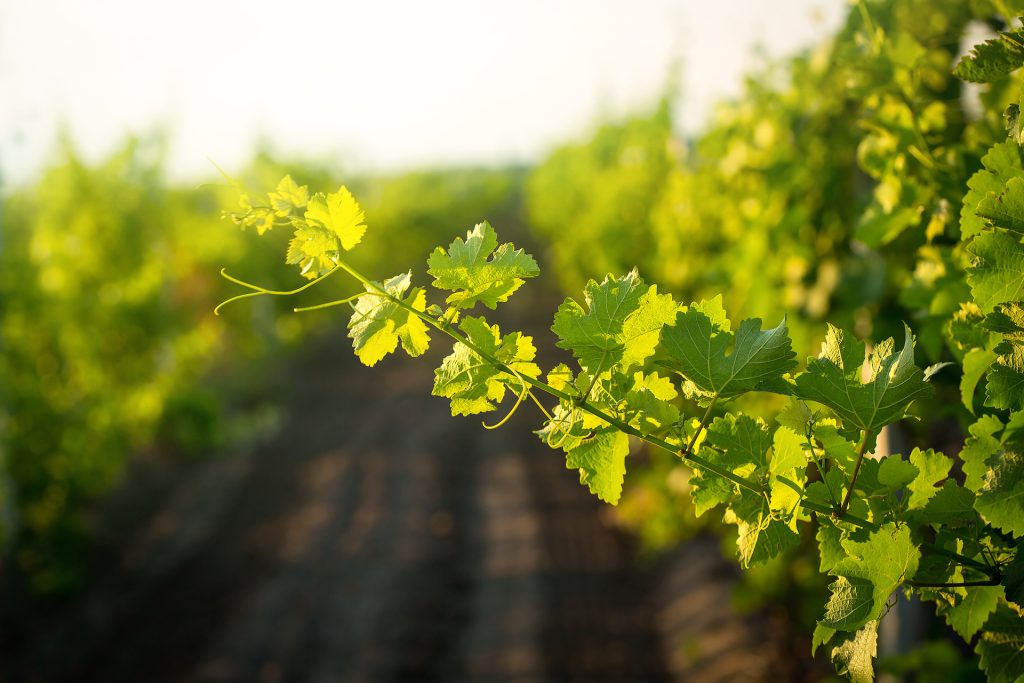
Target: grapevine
648, 368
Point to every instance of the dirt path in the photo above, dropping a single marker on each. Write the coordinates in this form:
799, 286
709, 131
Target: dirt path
378, 539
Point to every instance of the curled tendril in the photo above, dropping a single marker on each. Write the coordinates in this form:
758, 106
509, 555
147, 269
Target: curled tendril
565, 433
540, 405
522, 395
262, 291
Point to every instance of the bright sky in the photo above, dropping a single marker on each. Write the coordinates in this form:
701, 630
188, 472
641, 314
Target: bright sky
377, 84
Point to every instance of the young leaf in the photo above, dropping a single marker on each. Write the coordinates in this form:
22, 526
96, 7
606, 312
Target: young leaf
709, 490
473, 384
834, 380
288, 197
332, 223
868, 577
620, 326
340, 214
601, 461
933, 468
761, 535
378, 324
478, 270
978, 448
696, 348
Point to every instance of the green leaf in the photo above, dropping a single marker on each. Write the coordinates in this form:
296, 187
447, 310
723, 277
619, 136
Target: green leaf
851, 603
332, 223
997, 275
761, 535
787, 460
837, 448
1000, 499
601, 461
976, 363
965, 329
866, 579
378, 324
834, 380
742, 443
647, 403
1013, 579
852, 655
830, 544
951, 506
560, 377
797, 416
933, 468
822, 635
696, 348
288, 197
978, 448
1001, 164
338, 212
1014, 122
478, 270
1006, 209
993, 59
894, 472
620, 325
472, 383
972, 609
709, 490
1001, 646
1007, 320
1005, 388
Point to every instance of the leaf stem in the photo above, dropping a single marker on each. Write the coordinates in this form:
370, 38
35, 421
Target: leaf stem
703, 424
856, 470
821, 470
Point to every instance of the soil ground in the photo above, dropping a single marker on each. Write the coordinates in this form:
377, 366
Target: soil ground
375, 538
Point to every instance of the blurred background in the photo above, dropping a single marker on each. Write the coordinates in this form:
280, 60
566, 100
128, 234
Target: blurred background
191, 497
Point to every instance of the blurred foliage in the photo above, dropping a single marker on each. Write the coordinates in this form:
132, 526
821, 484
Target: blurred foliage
830, 188
108, 280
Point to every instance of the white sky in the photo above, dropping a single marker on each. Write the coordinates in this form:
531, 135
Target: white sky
376, 84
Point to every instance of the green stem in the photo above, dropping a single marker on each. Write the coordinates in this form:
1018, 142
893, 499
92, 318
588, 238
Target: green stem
703, 424
957, 584
856, 470
548, 389
821, 470
966, 561
845, 516
655, 441
925, 547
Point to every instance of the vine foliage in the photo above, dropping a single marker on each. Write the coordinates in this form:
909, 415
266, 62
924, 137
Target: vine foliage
648, 368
